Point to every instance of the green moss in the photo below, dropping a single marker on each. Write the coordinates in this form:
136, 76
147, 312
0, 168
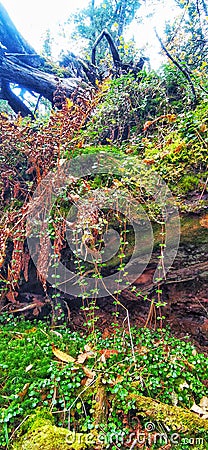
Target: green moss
39, 418
188, 183
194, 229
174, 416
41, 434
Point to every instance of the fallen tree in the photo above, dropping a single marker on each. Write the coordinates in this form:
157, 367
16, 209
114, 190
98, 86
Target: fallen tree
22, 66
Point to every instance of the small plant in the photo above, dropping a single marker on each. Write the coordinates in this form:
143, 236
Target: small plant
167, 369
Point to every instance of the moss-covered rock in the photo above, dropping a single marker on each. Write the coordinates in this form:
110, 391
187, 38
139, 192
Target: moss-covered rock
39, 433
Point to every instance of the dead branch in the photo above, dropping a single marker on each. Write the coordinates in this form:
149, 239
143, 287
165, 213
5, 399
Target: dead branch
184, 72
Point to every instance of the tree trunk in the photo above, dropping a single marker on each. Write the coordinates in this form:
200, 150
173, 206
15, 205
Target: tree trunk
14, 42
12, 71
21, 65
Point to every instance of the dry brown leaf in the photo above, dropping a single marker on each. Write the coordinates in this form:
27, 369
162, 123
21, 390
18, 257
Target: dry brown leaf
203, 127
11, 296
62, 356
108, 353
204, 403
204, 221
82, 358
142, 350
119, 379
88, 372
36, 312
88, 349
106, 333
87, 354
24, 390
202, 408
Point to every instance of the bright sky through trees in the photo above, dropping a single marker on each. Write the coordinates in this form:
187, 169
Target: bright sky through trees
33, 18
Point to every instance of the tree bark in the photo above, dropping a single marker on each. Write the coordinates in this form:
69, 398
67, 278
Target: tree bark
34, 79
14, 42
15, 102
21, 65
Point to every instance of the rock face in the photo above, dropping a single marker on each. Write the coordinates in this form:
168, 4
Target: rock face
185, 291
41, 434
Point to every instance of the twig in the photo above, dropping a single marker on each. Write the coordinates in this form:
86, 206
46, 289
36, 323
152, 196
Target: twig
184, 72
16, 429
134, 443
128, 319
204, 188
114, 51
77, 398
37, 104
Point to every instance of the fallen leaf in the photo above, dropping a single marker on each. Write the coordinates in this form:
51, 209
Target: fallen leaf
149, 162
202, 408
82, 358
147, 124
88, 348
88, 372
171, 117
204, 403
119, 379
106, 333
204, 221
88, 381
203, 128
108, 353
174, 398
11, 296
62, 355
178, 148
28, 368
36, 312
142, 350
24, 390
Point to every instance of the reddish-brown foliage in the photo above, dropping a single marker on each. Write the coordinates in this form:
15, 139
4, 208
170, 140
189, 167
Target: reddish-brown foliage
28, 151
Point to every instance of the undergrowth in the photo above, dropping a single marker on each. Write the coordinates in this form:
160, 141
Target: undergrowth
94, 384
137, 121
33, 375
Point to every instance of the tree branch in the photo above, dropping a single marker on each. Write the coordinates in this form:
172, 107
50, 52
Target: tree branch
184, 72
173, 416
113, 48
33, 79
16, 104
